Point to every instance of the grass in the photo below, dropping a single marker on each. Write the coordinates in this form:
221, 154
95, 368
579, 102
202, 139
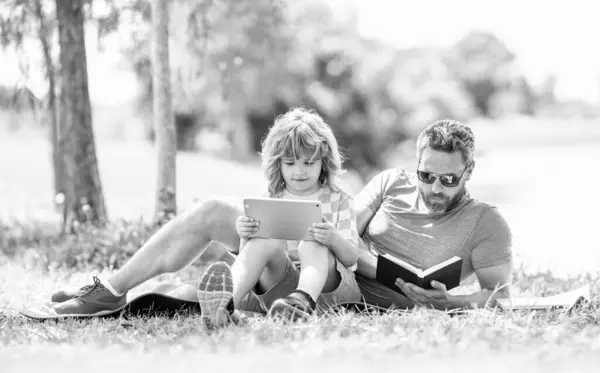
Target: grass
548, 210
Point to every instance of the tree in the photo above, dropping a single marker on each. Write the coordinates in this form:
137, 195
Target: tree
30, 18
164, 125
84, 199
484, 65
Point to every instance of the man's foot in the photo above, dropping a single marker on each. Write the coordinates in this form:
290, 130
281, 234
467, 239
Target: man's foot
68, 294
215, 295
91, 299
296, 306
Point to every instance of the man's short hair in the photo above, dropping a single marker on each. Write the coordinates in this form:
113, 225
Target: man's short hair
448, 136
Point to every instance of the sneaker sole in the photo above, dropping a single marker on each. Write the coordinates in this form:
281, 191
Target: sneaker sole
215, 291
287, 312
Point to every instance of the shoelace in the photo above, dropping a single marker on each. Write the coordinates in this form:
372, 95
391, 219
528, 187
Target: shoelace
88, 289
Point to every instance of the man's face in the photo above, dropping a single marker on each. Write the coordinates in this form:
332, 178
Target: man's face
436, 196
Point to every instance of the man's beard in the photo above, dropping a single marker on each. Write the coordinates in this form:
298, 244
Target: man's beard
441, 203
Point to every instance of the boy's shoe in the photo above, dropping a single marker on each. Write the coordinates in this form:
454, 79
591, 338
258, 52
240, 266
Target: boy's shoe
215, 295
91, 299
296, 306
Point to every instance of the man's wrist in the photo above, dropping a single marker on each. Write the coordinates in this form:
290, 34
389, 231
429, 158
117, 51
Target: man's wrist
468, 301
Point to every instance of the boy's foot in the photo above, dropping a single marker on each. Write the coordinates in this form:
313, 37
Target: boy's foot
215, 295
91, 299
296, 306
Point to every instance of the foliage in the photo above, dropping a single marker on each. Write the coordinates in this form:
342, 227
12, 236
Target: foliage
274, 55
237, 64
487, 69
41, 246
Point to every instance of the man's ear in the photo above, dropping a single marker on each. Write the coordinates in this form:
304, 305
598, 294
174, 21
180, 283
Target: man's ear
470, 171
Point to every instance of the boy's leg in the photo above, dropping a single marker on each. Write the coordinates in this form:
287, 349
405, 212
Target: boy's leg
261, 264
338, 286
176, 245
318, 272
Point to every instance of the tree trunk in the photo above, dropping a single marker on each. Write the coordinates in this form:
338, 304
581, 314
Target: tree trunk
164, 123
52, 110
84, 199
241, 134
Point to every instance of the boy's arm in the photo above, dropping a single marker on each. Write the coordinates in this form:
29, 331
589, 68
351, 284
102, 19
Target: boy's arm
345, 243
367, 261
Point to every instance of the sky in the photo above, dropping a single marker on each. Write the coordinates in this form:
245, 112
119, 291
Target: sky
552, 36
548, 37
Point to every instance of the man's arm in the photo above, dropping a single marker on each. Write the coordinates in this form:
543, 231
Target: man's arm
494, 281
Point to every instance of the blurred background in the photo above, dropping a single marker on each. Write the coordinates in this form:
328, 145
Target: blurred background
524, 74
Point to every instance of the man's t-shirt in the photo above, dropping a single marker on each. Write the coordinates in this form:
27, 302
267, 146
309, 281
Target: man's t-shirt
472, 230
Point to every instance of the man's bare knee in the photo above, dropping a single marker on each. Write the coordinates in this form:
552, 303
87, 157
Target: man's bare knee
213, 216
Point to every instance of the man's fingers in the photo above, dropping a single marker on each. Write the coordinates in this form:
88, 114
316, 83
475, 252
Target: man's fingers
248, 225
248, 229
438, 286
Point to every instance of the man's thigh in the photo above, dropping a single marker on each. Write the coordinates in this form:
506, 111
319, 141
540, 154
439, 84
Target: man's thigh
376, 294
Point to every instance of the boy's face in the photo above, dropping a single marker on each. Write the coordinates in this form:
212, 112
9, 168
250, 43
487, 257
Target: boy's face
301, 175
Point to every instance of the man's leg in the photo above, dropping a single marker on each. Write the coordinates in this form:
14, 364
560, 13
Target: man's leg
179, 243
176, 245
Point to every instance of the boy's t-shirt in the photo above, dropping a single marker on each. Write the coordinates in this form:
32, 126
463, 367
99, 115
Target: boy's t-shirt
473, 230
337, 207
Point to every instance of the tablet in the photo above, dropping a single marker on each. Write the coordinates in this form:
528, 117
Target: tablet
283, 219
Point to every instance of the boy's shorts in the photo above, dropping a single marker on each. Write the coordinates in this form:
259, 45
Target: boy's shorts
347, 290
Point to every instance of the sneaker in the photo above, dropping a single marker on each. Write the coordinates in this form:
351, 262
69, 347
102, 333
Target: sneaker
215, 295
91, 299
296, 306
68, 294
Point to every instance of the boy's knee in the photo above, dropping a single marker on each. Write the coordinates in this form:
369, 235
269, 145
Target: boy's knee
311, 246
265, 245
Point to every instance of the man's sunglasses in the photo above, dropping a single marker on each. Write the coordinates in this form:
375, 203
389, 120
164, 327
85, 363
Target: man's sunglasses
447, 180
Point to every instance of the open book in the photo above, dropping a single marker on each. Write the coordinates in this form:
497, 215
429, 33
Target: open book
566, 300
389, 268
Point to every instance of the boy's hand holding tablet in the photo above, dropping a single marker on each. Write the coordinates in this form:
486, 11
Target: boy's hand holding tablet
284, 219
246, 226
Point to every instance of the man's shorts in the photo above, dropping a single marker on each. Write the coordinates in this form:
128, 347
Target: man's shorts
376, 294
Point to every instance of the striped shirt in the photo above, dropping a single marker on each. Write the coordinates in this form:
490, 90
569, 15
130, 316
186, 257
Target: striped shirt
338, 209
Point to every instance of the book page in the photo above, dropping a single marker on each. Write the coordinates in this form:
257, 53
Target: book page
566, 299
441, 265
404, 265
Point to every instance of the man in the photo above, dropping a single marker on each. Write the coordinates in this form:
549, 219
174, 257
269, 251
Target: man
423, 222
430, 217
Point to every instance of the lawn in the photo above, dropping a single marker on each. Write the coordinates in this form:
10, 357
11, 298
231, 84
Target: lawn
544, 187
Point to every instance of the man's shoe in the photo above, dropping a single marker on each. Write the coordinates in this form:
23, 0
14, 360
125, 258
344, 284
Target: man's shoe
296, 306
91, 299
68, 294
215, 295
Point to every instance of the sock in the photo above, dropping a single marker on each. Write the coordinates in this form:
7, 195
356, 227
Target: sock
108, 286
